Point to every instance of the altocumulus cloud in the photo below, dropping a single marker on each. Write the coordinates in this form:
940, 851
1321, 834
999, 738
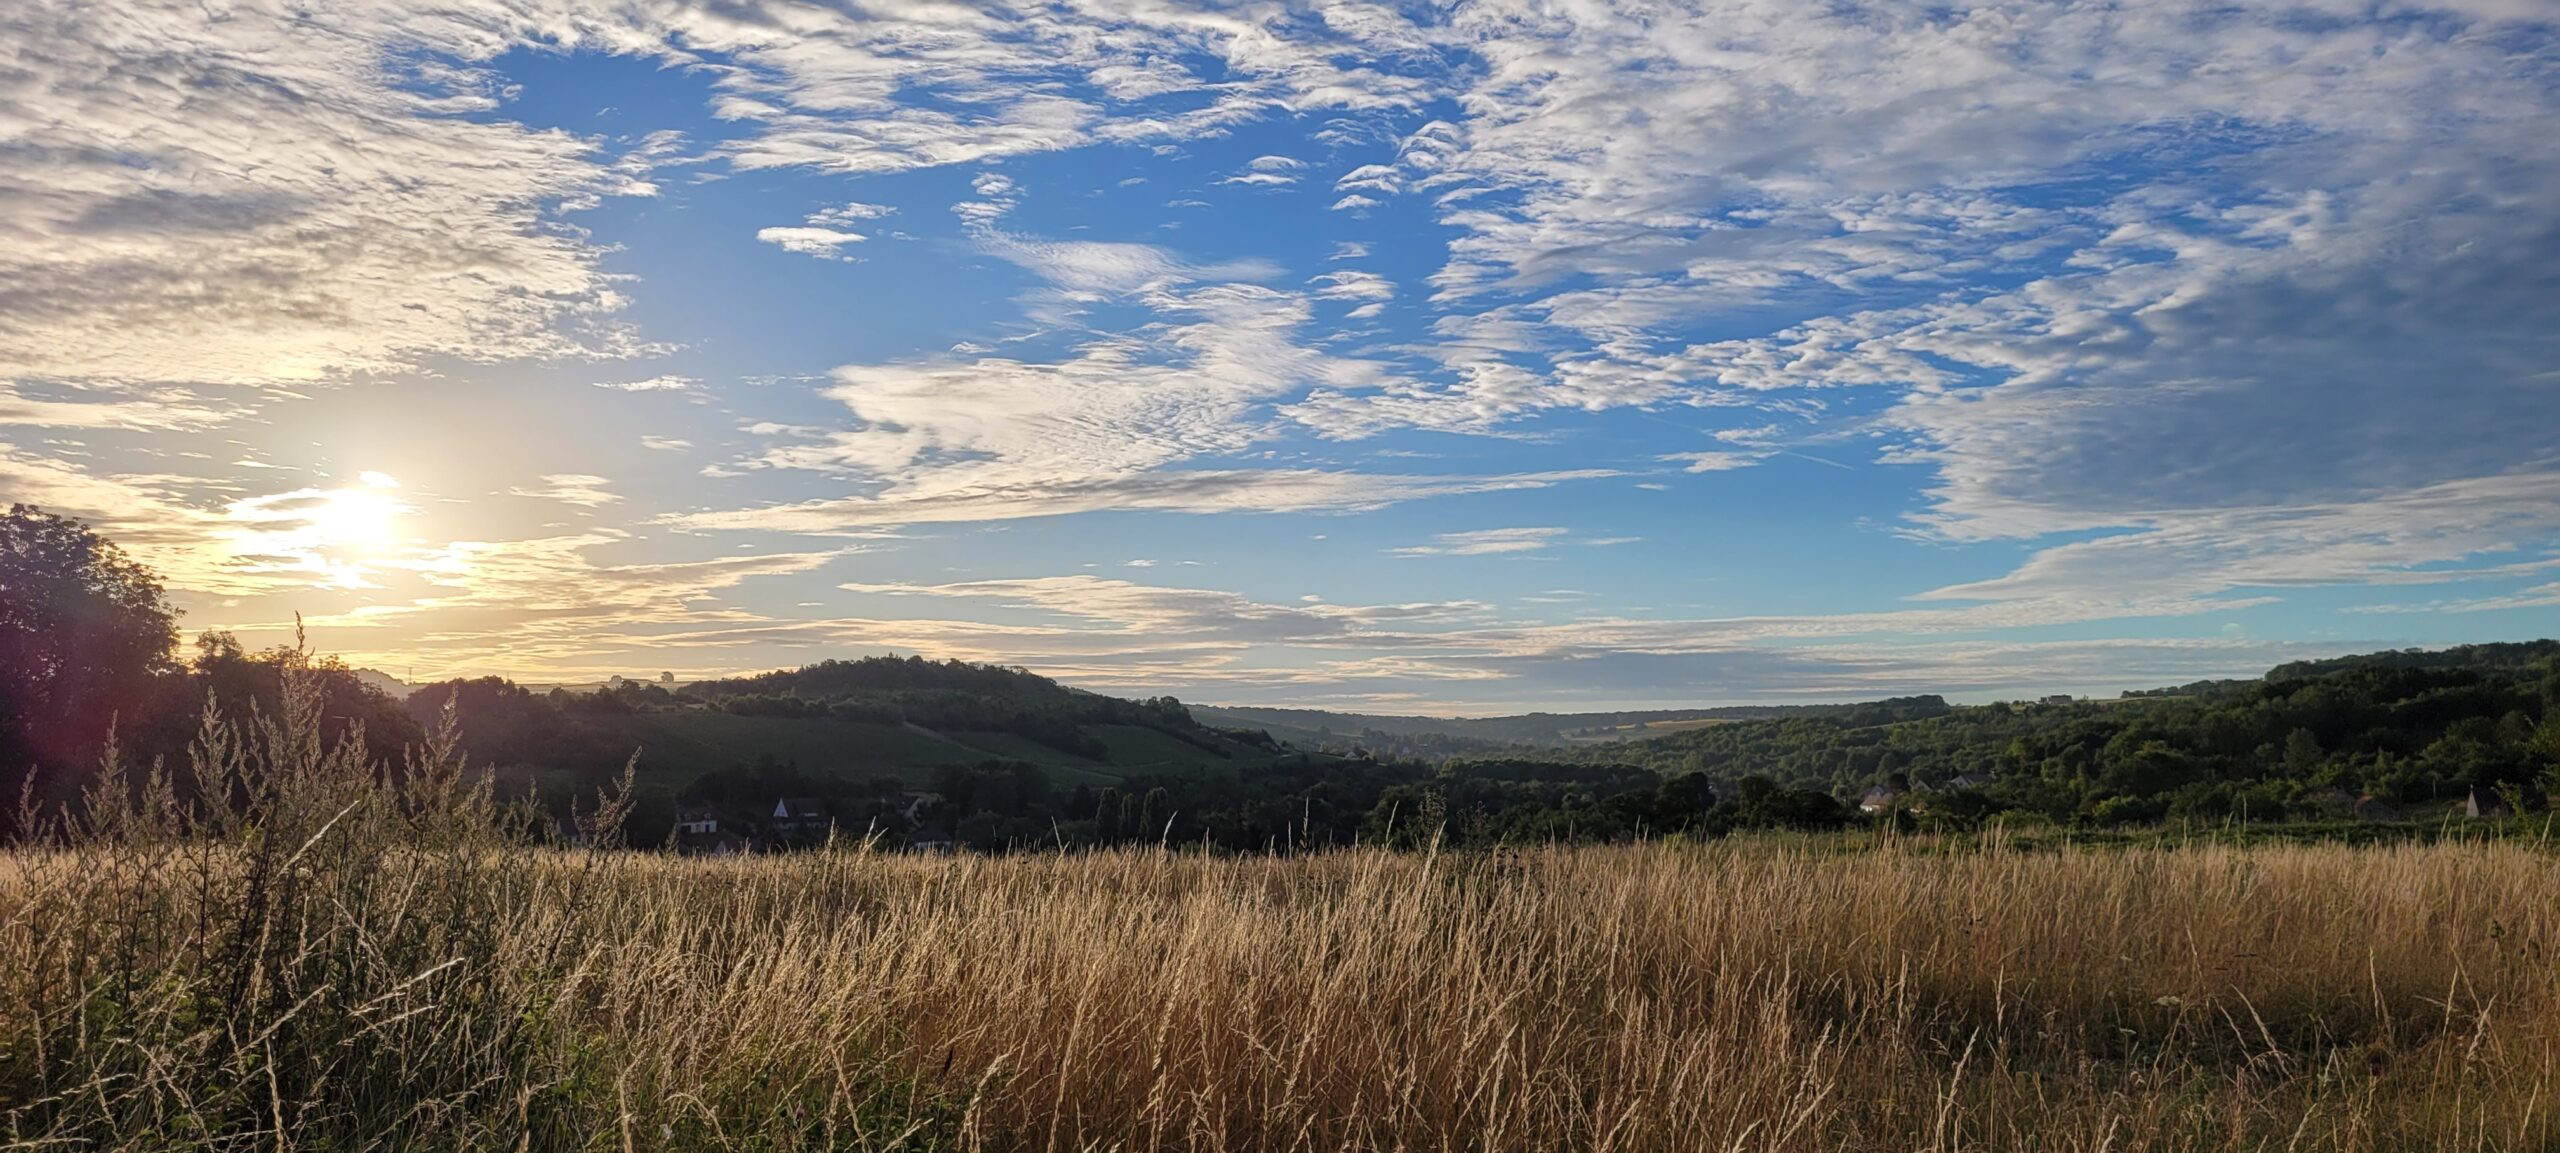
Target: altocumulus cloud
2202, 301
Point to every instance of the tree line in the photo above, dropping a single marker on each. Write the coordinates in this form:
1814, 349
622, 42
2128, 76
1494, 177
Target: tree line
89, 656
2399, 730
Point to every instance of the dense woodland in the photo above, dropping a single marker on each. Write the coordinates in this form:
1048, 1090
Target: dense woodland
2406, 729
1015, 760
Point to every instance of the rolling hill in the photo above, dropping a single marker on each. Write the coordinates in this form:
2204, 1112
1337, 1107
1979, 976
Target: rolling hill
1447, 736
1017, 759
847, 720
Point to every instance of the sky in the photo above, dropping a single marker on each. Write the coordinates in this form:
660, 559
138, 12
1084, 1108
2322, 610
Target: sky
1461, 357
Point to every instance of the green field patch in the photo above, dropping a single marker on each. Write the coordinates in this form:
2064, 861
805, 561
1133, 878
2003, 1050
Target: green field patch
1064, 767
678, 747
1139, 749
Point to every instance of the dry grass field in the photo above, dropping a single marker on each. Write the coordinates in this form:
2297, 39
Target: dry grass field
351, 964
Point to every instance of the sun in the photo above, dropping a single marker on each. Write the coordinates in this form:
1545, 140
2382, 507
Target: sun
359, 521
356, 521
335, 537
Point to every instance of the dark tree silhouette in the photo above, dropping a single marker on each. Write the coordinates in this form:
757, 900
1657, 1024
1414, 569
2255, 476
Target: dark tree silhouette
84, 633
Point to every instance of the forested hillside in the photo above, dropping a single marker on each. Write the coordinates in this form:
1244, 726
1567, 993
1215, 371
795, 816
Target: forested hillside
858, 742
948, 695
1436, 738
2403, 729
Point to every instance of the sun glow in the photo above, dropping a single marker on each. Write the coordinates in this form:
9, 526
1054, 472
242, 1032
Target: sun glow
335, 534
362, 521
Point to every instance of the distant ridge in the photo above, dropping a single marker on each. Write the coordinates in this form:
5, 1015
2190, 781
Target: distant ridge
384, 683
1319, 727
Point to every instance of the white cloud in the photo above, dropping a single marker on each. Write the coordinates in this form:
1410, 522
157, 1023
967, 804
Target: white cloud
580, 489
962, 500
1486, 542
1093, 267
281, 197
868, 91
157, 408
2413, 537
651, 384
990, 436
1379, 178
1351, 284
810, 241
850, 212
823, 233
1715, 461
1502, 541
2537, 596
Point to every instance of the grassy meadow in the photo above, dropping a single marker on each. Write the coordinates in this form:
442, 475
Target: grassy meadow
348, 957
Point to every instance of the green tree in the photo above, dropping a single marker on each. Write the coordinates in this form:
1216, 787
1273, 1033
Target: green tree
243, 683
85, 632
2545, 751
2302, 752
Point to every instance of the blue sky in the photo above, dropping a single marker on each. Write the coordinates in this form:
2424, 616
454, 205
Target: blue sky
1465, 356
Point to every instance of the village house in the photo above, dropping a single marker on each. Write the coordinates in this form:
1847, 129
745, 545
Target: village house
698, 831
799, 813
1882, 798
912, 805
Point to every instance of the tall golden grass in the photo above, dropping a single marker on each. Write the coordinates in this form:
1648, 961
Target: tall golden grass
366, 959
